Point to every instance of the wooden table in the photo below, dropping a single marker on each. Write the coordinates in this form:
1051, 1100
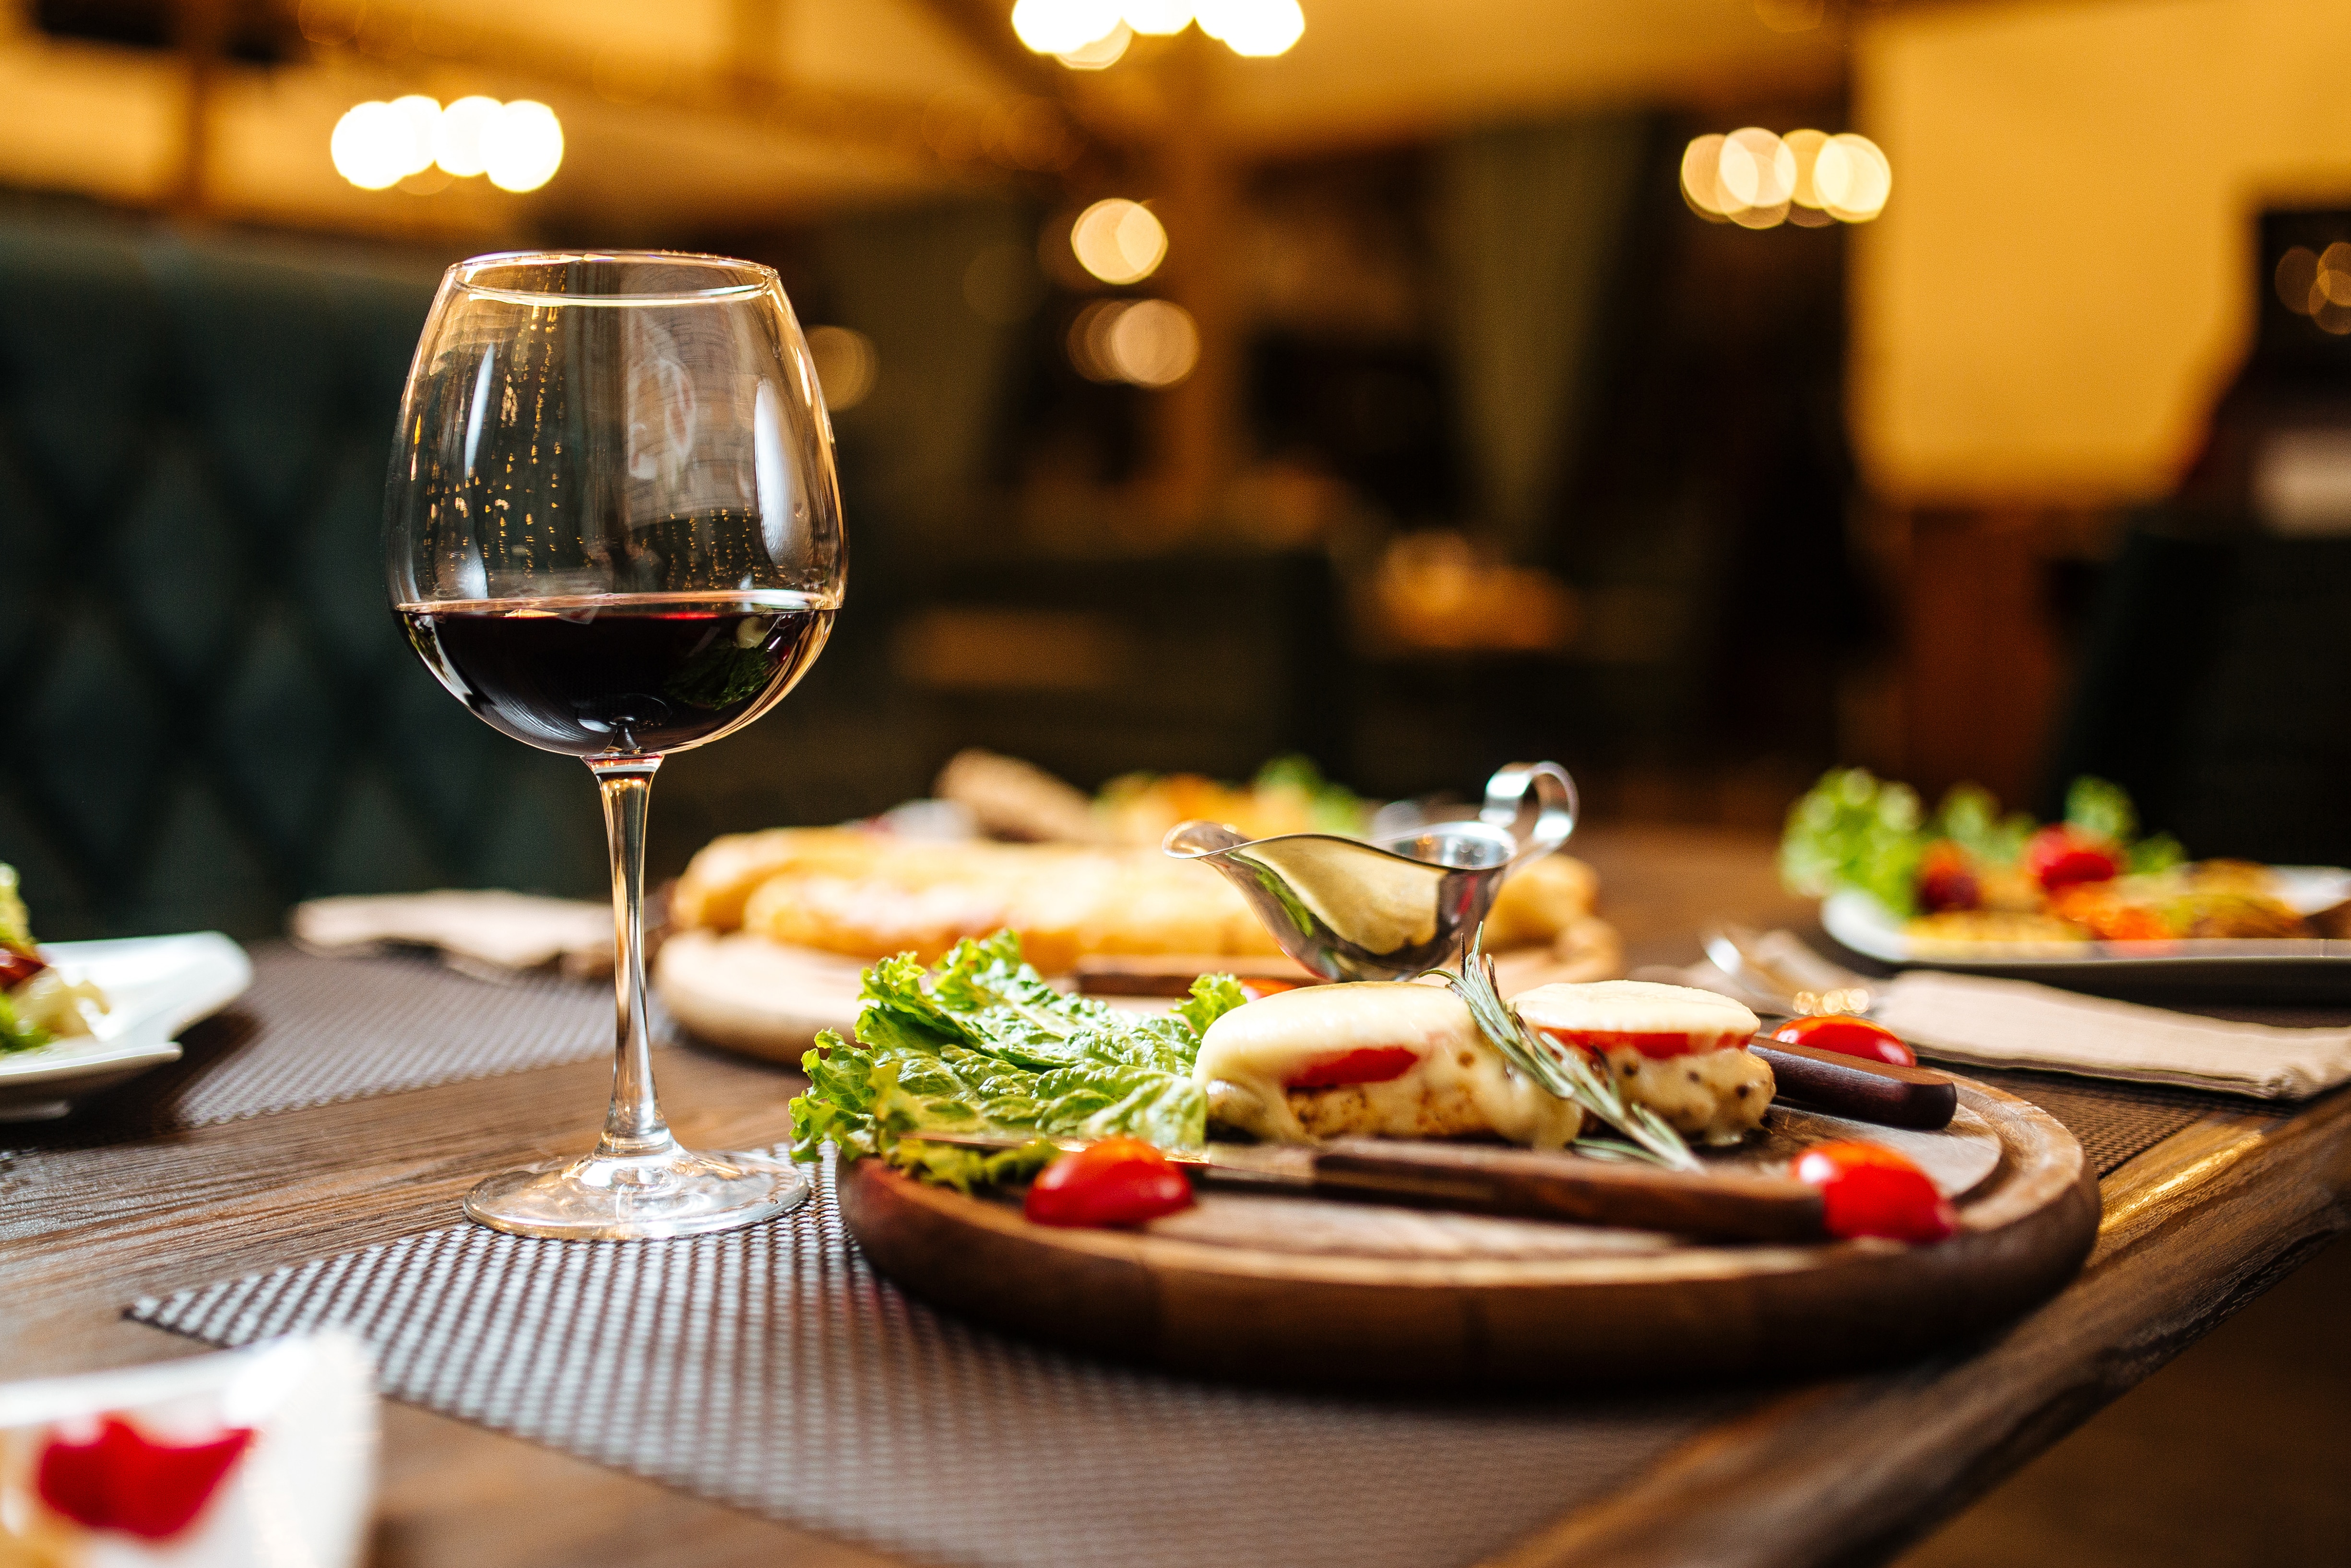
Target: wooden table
1845, 1472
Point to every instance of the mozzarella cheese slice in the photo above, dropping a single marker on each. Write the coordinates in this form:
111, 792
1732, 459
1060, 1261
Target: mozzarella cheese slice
1373, 1058
1679, 1051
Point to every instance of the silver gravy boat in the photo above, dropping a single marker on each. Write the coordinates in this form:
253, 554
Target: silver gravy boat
1391, 907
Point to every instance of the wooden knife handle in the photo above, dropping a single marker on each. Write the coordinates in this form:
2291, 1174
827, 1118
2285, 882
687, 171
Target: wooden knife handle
1518, 1182
1865, 1091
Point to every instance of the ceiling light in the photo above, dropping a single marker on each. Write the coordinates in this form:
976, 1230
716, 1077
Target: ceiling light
522, 150
1119, 241
1158, 18
1257, 29
373, 146
458, 139
1063, 27
1102, 53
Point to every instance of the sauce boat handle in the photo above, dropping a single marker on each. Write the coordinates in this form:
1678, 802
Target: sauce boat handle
1554, 807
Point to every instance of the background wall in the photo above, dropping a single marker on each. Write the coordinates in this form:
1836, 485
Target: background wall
2060, 282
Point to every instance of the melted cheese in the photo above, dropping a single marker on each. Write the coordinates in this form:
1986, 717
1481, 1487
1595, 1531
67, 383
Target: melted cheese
1457, 1084
1679, 1051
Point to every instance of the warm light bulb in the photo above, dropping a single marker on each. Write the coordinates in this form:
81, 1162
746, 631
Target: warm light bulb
1102, 53
1119, 241
1257, 29
459, 139
1158, 18
1702, 178
421, 115
1063, 27
370, 146
1851, 178
522, 150
1152, 343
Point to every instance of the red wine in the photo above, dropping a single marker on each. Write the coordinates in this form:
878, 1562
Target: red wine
630, 672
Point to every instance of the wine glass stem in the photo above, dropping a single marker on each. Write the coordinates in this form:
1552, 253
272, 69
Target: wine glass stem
633, 1126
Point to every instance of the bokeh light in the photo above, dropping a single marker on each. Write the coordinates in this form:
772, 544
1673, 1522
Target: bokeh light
378, 145
847, 365
1258, 29
1756, 180
1158, 18
373, 146
460, 137
1102, 53
2317, 283
1119, 241
1151, 343
525, 147
1063, 27
1853, 178
1090, 34
1702, 178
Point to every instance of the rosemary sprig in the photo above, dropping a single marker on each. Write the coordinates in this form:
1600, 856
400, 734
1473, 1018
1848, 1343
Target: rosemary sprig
1564, 1073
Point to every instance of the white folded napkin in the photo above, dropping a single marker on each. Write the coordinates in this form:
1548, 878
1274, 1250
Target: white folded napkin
2015, 1023
490, 931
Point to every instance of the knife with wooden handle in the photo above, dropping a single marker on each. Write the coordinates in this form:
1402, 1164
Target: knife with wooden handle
1519, 1182
1853, 1086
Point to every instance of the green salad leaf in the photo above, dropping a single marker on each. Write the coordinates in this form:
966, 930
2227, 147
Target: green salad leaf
980, 1043
16, 926
15, 930
1855, 830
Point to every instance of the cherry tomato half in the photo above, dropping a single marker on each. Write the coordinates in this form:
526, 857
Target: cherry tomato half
120, 1479
1867, 1189
2060, 855
1119, 1181
1847, 1036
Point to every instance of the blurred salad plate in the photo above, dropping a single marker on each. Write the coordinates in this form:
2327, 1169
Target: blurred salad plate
2087, 901
79, 1017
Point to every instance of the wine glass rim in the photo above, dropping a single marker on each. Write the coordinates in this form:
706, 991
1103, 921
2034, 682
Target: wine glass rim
465, 275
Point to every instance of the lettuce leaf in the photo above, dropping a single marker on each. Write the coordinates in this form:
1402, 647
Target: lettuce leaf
980, 1043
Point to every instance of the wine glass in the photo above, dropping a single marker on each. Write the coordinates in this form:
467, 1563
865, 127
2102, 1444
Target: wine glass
612, 529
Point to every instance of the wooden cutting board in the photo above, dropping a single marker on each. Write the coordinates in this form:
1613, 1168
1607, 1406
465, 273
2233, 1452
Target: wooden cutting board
1324, 1292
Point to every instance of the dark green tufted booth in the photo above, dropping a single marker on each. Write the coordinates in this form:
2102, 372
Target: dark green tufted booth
212, 711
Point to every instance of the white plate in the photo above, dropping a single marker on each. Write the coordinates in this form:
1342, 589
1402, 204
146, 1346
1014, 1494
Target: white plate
159, 986
300, 1495
2303, 965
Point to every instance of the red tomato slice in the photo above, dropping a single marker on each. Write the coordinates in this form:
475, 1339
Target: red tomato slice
1370, 1064
1119, 1181
123, 1479
17, 965
1867, 1189
1655, 1045
1259, 988
1847, 1036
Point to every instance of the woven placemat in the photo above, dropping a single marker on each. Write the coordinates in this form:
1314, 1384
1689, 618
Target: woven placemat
2115, 1121
317, 1031
773, 1370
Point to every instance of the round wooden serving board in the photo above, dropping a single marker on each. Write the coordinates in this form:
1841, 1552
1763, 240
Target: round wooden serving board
1339, 1294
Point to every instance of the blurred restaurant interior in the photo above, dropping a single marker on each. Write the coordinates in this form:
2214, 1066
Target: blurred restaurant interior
1423, 419
1705, 393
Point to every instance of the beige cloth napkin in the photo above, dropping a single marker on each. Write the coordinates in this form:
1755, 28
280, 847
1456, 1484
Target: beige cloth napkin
491, 932
2014, 1023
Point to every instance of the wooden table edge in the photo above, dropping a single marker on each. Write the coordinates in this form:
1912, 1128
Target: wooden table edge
1835, 1472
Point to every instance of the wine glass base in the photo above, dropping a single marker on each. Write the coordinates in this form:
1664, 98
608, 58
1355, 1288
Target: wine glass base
602, 1197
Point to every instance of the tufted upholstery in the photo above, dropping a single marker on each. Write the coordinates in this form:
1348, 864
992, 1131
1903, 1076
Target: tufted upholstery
213, 713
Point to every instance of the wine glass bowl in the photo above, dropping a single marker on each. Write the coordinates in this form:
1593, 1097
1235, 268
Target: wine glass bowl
612, 531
